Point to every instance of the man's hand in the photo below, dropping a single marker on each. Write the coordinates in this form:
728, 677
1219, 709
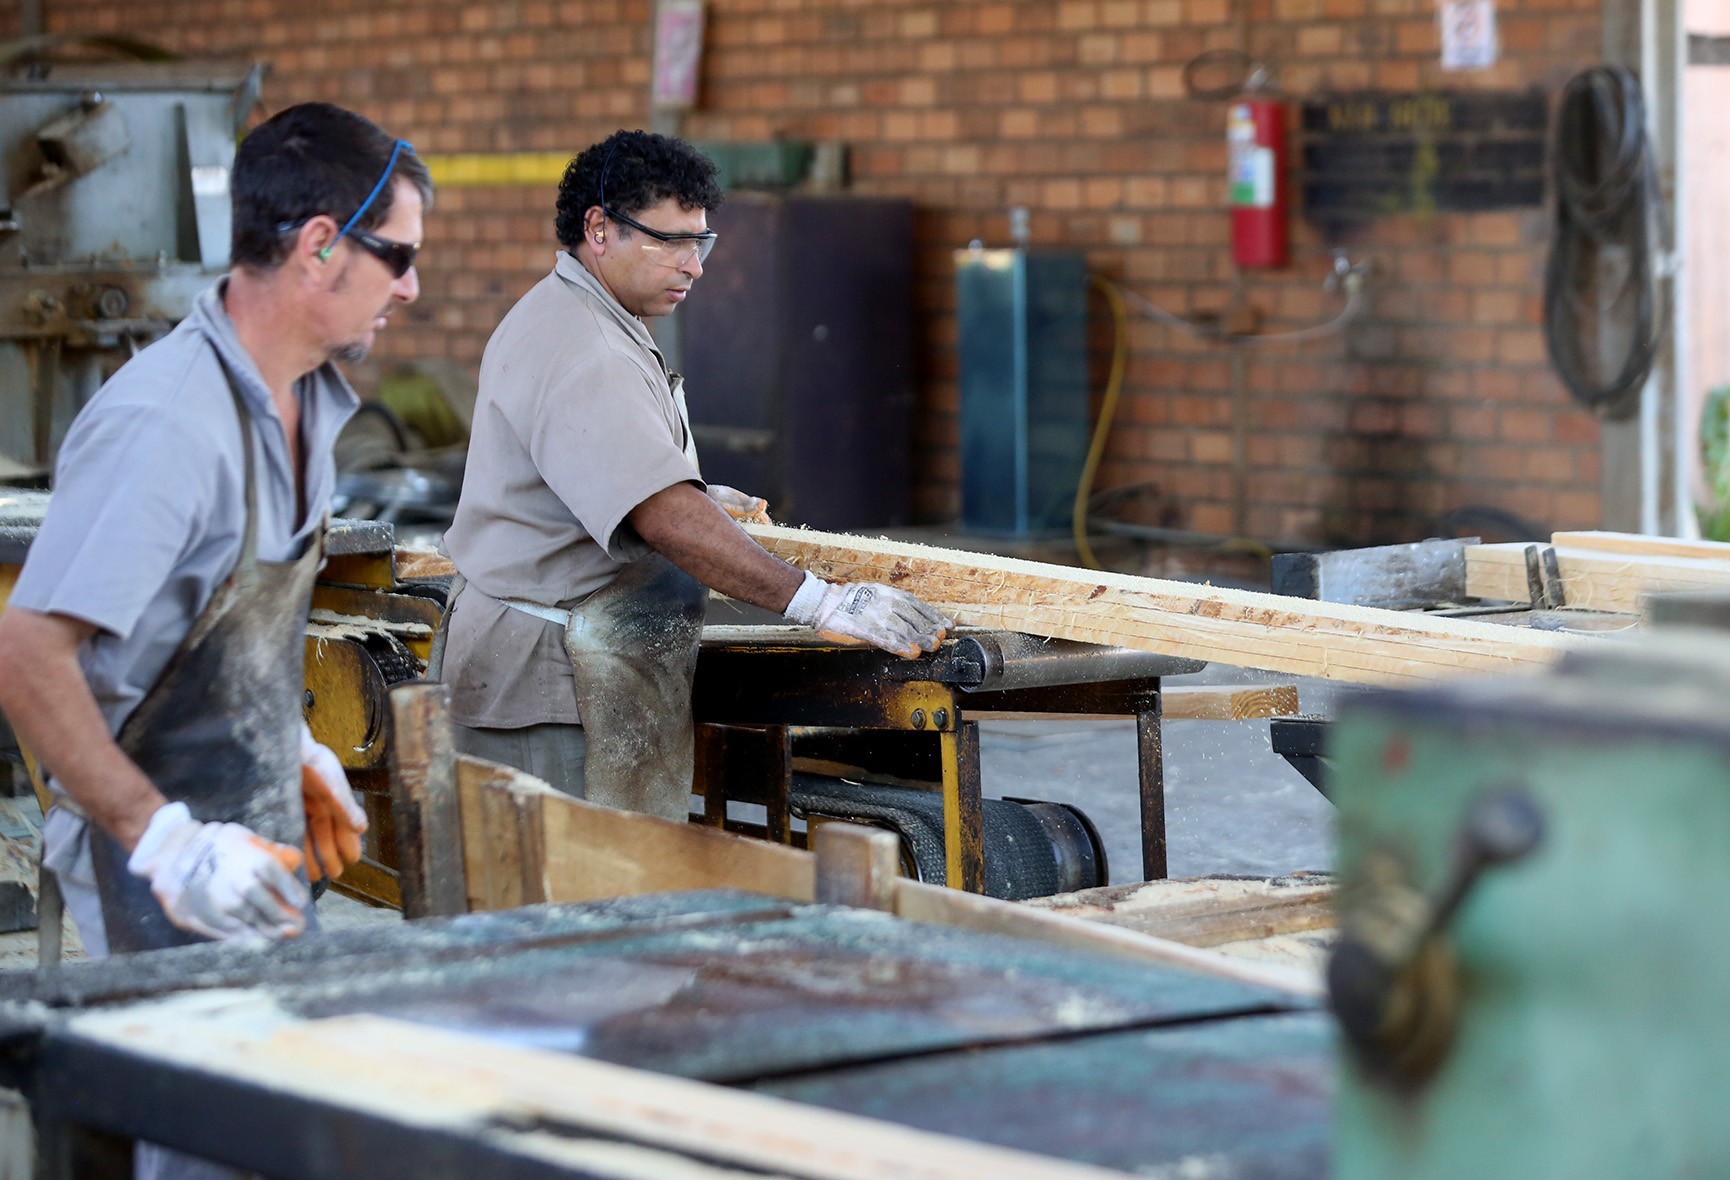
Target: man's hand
335, 820
882, 616
739, 506
222, 881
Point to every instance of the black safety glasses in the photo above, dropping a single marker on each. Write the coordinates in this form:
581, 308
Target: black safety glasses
398, 257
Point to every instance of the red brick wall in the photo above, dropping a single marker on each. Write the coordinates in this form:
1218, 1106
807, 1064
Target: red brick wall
1438, 397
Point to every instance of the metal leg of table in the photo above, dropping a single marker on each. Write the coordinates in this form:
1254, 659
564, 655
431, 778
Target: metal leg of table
1150, 751
963, 811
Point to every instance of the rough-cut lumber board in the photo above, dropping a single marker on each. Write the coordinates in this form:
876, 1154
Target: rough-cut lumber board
919, 902
1199, 702
857, 866
504, 834
594, 852
420, 1076
1204, 911
1591, 580
424, 802
1239, 627
1642, 545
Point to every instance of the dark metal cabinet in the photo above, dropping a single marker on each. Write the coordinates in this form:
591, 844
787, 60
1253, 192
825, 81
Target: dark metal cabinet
798, 357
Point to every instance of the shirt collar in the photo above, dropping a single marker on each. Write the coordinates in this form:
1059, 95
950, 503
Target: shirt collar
211, 318
568, 268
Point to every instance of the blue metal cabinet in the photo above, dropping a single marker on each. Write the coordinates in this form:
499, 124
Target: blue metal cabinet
1023, 358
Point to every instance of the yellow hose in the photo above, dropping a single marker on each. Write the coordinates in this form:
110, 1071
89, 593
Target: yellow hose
1101, 428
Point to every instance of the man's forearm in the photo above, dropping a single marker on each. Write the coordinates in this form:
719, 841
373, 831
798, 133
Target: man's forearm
691, 531
49, 704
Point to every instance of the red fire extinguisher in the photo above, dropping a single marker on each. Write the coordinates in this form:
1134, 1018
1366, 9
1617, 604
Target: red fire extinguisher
1255, 133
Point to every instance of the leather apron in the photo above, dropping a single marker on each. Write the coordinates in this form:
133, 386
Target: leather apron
220, 728
633, 649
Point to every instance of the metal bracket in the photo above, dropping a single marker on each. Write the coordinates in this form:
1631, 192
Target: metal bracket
1544, 578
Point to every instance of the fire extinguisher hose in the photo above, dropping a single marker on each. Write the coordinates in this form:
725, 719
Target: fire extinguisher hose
1102, 427
1607, 201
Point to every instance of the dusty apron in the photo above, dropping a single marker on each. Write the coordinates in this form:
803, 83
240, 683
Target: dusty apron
633, 648
220, 728
633, 651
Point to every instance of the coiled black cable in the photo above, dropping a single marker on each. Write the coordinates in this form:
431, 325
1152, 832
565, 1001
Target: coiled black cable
1601, 290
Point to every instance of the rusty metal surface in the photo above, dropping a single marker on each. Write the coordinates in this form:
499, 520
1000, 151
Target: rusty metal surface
1241, 1099
994, 1039
818, 988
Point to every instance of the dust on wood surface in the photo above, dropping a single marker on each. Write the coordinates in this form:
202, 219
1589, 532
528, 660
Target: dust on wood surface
1223, 625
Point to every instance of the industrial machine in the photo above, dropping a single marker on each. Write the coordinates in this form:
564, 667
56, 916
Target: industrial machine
114, 214
1533, 877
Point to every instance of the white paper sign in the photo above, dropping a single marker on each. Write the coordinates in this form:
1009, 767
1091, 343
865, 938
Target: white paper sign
1468, 34
678, 54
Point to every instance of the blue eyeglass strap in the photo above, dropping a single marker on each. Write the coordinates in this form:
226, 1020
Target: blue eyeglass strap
395, 151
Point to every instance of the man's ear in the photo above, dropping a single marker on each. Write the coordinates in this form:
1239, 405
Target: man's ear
314, 241
595, 229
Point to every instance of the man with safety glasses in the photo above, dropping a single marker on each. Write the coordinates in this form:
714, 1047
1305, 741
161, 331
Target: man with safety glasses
151, 652
586, 537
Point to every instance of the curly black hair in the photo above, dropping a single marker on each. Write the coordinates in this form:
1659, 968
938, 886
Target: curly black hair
641, 169
307, 160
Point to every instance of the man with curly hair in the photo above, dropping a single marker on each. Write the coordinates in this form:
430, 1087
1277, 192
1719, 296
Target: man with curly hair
586, 539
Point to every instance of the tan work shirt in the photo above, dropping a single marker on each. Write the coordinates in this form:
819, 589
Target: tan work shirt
577, 422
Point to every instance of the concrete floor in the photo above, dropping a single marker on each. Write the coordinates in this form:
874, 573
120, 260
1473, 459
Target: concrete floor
1233, 806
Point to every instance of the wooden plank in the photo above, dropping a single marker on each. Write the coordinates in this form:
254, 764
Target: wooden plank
856, 865
919, 902
455, 1082
1200, 702
1334, 641
1205, 911
1592, 580
504, 837
1642, 545
594, 852
428, 815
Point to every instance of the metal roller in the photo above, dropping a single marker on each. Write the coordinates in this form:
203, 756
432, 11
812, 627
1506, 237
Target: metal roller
1009, 660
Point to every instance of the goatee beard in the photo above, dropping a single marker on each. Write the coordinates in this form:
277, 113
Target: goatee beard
351, 353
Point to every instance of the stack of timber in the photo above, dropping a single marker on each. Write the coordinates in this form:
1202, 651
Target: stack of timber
1603, 571
1238, 627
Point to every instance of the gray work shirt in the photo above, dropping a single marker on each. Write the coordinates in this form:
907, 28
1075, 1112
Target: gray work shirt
149, 507
577, 422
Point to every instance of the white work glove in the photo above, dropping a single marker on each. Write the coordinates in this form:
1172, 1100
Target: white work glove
222, 881
739, 506
335, 819
882, 616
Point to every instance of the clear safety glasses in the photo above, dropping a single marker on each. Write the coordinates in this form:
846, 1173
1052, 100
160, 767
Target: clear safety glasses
670, 250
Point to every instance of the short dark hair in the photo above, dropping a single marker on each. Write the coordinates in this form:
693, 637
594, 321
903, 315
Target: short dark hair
642, 169
308, 160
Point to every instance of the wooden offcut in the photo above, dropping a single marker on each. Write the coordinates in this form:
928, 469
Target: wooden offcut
1202, 702
1205, 911
1591, 579
1642, 545
1333, 641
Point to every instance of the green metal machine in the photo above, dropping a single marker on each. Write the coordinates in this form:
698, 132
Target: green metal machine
1535, 896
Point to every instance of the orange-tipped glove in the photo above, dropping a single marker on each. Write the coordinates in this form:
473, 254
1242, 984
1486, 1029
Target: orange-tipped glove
222, 881
739, 506
335, 820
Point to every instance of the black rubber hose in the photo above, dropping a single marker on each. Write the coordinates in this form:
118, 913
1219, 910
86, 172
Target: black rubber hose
1601, 299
